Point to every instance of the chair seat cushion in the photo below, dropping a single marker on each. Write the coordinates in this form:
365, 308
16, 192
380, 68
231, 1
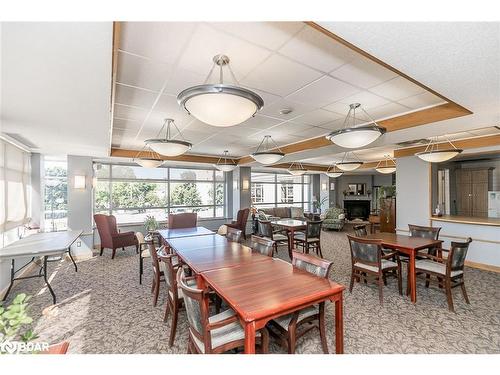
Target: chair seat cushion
145, 253
385, 264
302, 237
284, 320
429, 265
223, 335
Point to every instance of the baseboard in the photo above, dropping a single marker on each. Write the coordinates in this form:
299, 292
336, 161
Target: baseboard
482, 266
23, 272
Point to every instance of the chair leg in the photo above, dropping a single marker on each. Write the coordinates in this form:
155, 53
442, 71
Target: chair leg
464, 292
292, 339
141, 268
408, 281
218, 304
449, 297
137, 249
320, 252
167, 310
427, 279
113, 255
264, 341
156, 291
352, 282
173, 326
400, 280
380, 289
322, 329
102, 249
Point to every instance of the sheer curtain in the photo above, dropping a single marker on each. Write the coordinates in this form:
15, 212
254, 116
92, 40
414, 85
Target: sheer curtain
14, 186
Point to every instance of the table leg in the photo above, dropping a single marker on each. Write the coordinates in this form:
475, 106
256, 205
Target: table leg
47, 281
339, 327
69, 252
412, 278
250, 338
12, 273
290, 243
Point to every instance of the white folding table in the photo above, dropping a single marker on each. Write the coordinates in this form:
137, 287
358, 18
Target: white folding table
39, 245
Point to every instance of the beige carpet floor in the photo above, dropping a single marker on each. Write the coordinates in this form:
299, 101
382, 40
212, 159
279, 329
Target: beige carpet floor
103, 309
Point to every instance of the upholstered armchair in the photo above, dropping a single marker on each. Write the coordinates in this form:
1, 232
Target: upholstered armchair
334, 219
111, 238
241, 221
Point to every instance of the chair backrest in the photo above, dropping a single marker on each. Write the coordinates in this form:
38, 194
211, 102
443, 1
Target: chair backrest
424, 232
234, 235
184, 220
457, 254
333, 213
167, 260
106, 226
317, 266
140, 238
196, 303
263, 246
313, 229
242, 217
266, 229
366, 251
360, 230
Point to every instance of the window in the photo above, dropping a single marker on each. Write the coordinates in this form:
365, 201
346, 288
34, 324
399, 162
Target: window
278, 189
131, 193
55, 194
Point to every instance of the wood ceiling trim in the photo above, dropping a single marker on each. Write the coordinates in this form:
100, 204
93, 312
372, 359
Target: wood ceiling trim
323, 168
123, 153
468, 143
114, 72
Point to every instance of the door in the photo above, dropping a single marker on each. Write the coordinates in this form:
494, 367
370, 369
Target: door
464, 192
480, 193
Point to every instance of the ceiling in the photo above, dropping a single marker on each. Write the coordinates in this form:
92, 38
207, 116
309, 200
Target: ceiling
56, 85
290, 64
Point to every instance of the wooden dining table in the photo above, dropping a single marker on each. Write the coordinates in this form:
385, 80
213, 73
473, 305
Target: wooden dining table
291, 226
409, 246
184, 232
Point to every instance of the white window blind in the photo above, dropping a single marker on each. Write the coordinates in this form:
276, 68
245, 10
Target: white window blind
14, 186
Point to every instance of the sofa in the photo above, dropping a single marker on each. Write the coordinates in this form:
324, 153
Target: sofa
334, 219
275, 213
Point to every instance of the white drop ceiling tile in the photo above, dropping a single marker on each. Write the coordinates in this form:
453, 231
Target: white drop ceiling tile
317, 117
168, 107
425, 99
241, 130
161, 41
270, 35
192, 136
311, 132
333, 125
260, 122
139, 72
338, 107
289, 128
363, 72
397, 88
134, 97
207, 42
322, 92
129, 113
181, 79
366, 99
280, 76
387, 110
266, 96
274, 109
196, 125
317, 50
124, 124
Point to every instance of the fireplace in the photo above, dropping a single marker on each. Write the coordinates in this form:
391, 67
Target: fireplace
357, 209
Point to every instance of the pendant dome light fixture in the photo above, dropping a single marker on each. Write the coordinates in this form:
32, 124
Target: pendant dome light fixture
297, 169
353, 136
346, 165
168, 146
434, 154
386, 166
268, 154
150, 159
224, 163
220, 104
333, 171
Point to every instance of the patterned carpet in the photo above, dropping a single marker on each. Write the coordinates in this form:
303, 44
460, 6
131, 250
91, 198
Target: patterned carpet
103, 309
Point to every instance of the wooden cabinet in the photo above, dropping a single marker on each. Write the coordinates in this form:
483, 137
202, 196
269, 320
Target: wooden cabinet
472, 187
388, 215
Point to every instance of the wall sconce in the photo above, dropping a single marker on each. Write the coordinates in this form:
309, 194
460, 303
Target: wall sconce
324, 186
79, 182
245, 184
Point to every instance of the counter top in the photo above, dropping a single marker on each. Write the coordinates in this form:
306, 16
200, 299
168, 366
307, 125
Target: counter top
490, 221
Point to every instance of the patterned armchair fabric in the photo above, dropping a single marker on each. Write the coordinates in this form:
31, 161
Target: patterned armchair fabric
360, 230
334, 219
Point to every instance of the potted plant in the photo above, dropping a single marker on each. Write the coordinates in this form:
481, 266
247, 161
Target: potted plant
318, 203
150, 223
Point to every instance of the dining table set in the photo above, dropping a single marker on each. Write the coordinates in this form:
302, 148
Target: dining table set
257, 287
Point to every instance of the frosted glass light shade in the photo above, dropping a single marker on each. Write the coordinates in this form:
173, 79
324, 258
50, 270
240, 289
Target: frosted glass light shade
334, 174
168, 147
438, 156
79, 182
297, 172
149, 163
356, 137
220, 105
225, 167
386, 170
349, 165
267, 157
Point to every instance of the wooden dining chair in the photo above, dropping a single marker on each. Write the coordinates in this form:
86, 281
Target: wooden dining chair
234, 235
369, 262
183, 220
278, 236
218, 333
143, 253
262, 245
360, 230
449, 271
158, 275
311, 238
288, 328
169, 263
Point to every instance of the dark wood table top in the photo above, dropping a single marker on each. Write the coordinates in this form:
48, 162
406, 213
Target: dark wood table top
403, 242
267, 289
184, 232
196, 242
290, 223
